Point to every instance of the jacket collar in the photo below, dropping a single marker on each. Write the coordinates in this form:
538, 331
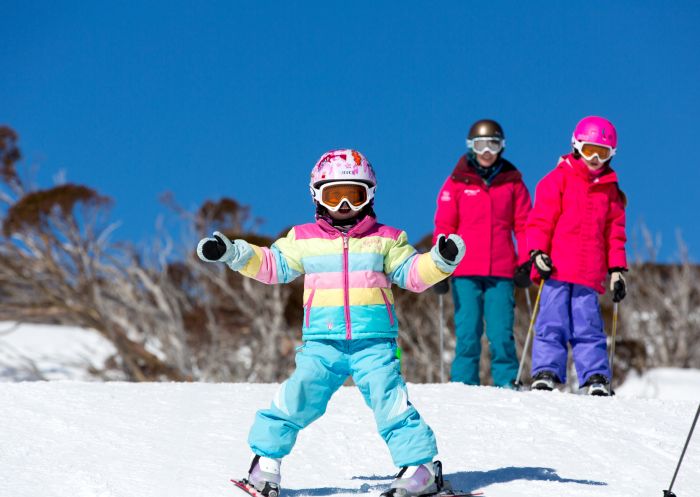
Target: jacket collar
466, 173
362, 227
578, 167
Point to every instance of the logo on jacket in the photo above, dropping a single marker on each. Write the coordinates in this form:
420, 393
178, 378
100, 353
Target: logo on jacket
471, 193
373, 244
445, 197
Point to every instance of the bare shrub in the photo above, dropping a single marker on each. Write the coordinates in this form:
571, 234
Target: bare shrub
662, 310
172, 317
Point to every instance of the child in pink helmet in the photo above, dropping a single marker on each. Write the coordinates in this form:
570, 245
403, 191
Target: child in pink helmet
576, 237
349, 262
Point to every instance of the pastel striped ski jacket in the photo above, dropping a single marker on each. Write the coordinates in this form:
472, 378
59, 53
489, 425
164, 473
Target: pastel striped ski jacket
348, 276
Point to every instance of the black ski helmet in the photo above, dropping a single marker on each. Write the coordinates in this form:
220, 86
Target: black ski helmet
486, 128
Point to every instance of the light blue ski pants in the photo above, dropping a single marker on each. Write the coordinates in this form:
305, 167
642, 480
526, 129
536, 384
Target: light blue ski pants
321, 368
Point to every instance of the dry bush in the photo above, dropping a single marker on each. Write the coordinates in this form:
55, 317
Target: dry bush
172, 317
169, 316
662, 311
658, 325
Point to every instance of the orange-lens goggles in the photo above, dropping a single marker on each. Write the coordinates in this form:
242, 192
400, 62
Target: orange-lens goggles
333, 194
588, 150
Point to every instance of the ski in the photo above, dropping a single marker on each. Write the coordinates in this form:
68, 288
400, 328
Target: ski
246, 487
442, 487
443, 493
460, 494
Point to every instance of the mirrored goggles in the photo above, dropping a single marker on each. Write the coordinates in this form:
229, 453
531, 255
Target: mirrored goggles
332, 195
486, 144
591, 150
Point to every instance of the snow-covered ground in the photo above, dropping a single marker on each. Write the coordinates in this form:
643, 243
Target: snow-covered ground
49, 352
90, 439
78, 439
663, 383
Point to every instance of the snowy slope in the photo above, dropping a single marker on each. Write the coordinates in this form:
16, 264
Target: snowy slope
663, 383
75, 439
49, 352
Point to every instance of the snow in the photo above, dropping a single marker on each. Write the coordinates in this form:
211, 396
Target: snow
94, 439
80, 439
663, 383
42, 351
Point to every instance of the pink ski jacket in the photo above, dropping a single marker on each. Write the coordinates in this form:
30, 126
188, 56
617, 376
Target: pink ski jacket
486, 217
579, 220
347, 276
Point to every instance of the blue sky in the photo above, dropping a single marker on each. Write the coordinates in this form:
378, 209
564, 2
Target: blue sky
239, 99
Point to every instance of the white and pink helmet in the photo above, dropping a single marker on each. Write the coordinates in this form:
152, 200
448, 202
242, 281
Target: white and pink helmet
342, 165
595, 130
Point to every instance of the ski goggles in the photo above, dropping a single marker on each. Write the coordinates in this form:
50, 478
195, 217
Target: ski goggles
486, 144
332, 195
590, 150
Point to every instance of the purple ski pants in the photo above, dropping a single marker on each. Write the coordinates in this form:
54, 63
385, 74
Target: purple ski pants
569, 313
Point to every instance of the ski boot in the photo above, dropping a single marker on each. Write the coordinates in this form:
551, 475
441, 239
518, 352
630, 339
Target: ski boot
544, 380
598, 385
263, 478
415, 481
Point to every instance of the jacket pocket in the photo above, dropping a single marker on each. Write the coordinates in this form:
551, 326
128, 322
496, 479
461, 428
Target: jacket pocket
308, 306
388, 306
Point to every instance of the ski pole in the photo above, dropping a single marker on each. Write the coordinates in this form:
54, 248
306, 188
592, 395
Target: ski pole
668, 493
612, 343
533, 313
442, 338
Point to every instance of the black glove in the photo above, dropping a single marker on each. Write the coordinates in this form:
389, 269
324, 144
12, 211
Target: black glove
543, 263
618, 285
214, 249
441, 287
448, 249
521, 278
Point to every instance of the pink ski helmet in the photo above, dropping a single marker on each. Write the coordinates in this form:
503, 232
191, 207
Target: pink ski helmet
345, 165
597, 130
342, 165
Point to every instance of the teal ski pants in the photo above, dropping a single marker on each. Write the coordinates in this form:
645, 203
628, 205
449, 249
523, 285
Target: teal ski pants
322, 367
480, 299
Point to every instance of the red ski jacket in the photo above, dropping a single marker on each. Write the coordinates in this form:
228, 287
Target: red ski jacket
579, 220
486, 217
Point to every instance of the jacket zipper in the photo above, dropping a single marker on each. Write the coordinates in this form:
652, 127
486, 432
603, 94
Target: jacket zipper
346, 281
308, 306
388, 307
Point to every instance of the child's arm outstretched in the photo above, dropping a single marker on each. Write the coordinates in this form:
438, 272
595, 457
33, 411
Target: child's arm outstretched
278, 264
417, 272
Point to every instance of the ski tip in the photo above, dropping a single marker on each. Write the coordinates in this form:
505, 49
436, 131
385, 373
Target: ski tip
243, 486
